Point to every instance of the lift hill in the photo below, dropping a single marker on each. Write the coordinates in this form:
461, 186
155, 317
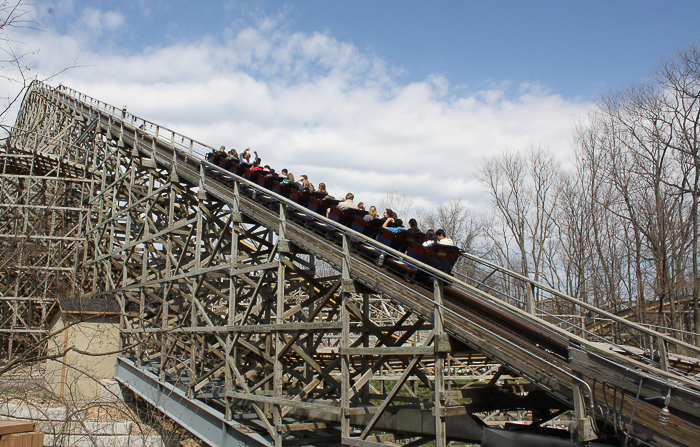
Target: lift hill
232, 333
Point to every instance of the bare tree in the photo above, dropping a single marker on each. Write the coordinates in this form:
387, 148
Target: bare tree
399, 203
505, 178
638, 163
15, 67
570, 264
523, 188
14, 15
456, 219
680, 80
613, 243
545, 174
641, 169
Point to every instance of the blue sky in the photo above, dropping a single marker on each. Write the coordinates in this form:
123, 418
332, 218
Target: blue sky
576, 49
572, 48
367, 96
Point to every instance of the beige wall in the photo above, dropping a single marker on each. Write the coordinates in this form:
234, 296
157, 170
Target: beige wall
77, 376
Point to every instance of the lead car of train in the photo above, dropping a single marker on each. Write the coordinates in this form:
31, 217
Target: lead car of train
410, 243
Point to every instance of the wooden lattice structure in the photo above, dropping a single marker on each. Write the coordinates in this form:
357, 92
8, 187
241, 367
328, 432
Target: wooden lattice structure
43, 218
222, 305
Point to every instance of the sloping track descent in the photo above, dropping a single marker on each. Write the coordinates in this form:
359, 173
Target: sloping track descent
225, 312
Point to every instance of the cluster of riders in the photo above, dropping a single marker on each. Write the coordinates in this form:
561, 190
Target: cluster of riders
388, 228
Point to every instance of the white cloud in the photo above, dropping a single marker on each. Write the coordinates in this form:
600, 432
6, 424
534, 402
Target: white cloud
311, 103
99, 22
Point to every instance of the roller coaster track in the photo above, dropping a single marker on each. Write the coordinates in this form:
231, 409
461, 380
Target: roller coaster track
229, 327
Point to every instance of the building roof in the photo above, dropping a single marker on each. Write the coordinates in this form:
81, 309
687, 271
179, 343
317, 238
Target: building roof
90, 306
84, 307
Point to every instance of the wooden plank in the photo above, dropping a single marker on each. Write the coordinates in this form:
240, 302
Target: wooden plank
34, 439
253, 268
360, 443
262, 328
9, 427
284, 402
389, 350
303, 426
